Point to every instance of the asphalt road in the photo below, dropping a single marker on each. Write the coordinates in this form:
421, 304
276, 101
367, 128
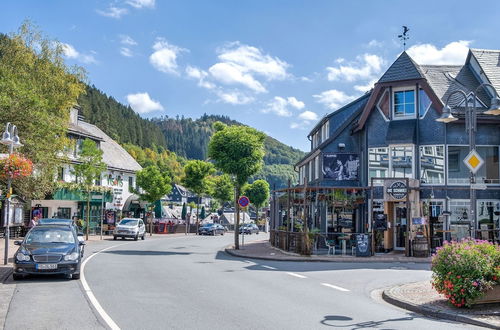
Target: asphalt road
188, 283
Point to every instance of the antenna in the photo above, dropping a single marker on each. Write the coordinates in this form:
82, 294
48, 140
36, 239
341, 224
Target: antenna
403, 37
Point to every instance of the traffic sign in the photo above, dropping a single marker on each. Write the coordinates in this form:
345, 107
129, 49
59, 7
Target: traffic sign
473, 161
243, 201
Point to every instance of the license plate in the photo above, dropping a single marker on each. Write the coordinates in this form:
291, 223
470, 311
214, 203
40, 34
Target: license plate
46, 266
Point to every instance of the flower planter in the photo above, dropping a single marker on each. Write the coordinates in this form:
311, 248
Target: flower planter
490, 296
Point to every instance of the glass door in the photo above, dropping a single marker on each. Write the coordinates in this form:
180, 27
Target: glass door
400, 223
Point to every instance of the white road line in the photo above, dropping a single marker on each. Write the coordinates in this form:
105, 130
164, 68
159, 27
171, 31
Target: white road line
297, 275
335, 287
109, 321
268, 267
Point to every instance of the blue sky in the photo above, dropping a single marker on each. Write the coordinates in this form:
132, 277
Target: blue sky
276, 65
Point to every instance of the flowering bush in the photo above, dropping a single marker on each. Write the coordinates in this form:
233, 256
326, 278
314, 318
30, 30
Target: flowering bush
463, 271
15, 166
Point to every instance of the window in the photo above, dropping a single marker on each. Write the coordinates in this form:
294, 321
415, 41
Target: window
459, 219
310, 171
131, 182
60, 174
402, 162
432, 164
378, 162
458, 173
424, 103
404, 104
316, 167
325, 131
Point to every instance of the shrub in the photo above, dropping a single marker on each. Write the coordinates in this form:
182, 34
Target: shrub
463, 271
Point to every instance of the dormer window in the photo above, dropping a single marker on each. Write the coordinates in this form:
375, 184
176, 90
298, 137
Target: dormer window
404, 103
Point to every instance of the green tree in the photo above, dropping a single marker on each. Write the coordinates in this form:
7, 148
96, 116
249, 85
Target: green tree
258, 193
88, 171
196, 173
154, 185
237, 151
221, 189
37, 89
184, 211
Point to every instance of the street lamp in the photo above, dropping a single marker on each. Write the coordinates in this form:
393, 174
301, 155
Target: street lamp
10, 139
471, 128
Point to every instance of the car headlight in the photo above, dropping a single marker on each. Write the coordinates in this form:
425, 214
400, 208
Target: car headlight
22, 257
71, 257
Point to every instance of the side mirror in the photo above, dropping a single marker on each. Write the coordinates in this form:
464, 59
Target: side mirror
80, 234
82, 242
18, 242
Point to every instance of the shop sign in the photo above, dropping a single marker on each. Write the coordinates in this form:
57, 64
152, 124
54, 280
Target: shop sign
395, 190
117, 197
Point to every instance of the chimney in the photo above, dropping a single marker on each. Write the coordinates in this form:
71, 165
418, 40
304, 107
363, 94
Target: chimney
73, 116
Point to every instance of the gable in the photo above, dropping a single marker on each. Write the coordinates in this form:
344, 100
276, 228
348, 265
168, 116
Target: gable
402, 69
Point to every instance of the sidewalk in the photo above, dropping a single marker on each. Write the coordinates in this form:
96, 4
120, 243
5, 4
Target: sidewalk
421, 298
264, 250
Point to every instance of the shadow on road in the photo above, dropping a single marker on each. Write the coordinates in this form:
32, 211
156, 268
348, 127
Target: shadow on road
329, 320
145, 253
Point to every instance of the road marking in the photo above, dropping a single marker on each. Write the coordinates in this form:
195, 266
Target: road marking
335, 287
268, 267
297, 275
109, 321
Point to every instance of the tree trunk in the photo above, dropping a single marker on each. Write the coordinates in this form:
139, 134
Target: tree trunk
151, 221
198, 215
88, 216
237, 217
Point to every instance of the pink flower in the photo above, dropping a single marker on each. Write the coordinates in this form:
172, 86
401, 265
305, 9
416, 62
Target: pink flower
475, 283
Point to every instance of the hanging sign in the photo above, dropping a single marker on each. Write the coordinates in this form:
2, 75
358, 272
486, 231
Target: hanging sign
395, 190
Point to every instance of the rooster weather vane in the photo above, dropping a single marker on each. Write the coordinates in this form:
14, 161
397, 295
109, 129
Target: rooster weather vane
403, 37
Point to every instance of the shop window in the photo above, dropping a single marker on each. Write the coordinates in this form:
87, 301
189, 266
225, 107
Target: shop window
404, 104
378, 162
432, 164
489, 172
402, 162
458, 173
460, 219
63, 213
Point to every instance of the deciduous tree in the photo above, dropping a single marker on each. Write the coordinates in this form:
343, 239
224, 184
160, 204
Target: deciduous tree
258, 193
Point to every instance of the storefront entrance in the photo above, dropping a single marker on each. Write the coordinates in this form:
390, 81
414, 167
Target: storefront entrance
400, 225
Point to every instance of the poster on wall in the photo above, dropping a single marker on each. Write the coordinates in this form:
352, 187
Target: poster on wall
341, 167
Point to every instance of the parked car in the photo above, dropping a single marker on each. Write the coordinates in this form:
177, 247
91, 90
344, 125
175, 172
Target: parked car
48, 249
249, 228
130, 228
211, 229
64, 222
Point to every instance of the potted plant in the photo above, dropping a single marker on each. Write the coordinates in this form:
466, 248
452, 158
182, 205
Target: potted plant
15, 166
467, 272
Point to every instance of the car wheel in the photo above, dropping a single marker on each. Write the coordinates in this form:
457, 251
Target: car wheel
143, 236
114, 238
136, 237
17, 277
123, 237
75, 276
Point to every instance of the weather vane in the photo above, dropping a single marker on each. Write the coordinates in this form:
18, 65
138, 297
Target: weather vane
403, 37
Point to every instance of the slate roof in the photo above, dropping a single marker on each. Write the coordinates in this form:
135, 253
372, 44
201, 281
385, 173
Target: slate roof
113, 154
401, 131
404, 68
489, 60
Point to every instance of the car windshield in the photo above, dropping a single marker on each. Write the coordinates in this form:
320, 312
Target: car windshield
128, 222
50, 235
55, 222
208, 225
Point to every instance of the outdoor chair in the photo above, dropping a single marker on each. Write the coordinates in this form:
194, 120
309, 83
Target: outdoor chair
330, 244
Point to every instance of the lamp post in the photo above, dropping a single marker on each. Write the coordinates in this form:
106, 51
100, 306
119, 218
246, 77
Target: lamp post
10, 139
471, 129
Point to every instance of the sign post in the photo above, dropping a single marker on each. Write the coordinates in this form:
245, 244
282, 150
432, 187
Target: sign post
243, 201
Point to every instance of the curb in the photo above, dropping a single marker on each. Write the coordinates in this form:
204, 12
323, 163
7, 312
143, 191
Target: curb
295, 258
388, 297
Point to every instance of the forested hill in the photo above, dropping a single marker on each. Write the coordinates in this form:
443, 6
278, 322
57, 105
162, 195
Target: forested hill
119, 121
186, 137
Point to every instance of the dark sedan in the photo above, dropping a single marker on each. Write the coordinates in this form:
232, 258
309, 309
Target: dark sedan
48, 249
211, 229
249, 228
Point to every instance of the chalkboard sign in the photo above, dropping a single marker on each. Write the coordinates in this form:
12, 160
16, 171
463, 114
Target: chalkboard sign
380, 222
363, 245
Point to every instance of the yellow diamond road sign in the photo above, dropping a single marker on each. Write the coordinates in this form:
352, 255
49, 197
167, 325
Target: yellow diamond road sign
473, 161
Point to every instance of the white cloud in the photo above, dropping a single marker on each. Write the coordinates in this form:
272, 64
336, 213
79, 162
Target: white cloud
365, 67
234, 97
72, 53
453, 53
200, 75
141, 3
127, 40
374, 44
230, 74
308, 116
333, 99
127, 52
366, 87
164, 57
295, 103
280, 106
251, 60
113, 12
142, 103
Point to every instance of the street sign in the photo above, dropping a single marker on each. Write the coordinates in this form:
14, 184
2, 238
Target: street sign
243, 201
478, 186
473, 161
